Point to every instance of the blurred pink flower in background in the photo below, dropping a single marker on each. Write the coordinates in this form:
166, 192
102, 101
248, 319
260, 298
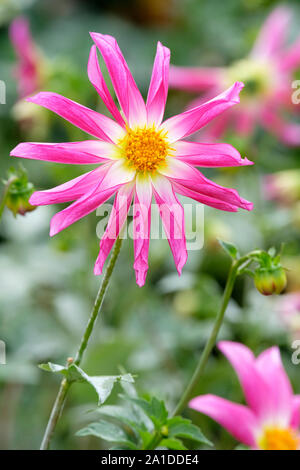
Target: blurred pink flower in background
267, 74
140, 156
282, 187
289, 310
28, 69
272, 418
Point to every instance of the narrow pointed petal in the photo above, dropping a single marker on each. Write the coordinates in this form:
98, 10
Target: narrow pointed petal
118, 174
295, 421
158, 89
115, 223
129, 96
188, 176
98, 82
79, 209
280, 395
172, 214
209, 155
86, 119
194, 119
76, 153
195, 78
273, 33
207, 200
238, 420
255, 388
290, 59
71, 190
141, 227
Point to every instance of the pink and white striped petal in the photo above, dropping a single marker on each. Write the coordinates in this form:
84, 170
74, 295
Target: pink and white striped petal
194, 119
209, 155
207, 200
129, 96
141, 227
188, 176
86, 119
116, 221
158, 89
238, 420
80, 208
117, 174
273, 34
71, 190
172, 214
98, 82
279, 399
195, 78
76, 153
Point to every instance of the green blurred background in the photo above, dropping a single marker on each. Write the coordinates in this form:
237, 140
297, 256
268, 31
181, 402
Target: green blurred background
47, 285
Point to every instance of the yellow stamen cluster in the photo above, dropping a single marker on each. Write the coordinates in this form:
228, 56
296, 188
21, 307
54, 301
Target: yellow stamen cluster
145, 149
279, 439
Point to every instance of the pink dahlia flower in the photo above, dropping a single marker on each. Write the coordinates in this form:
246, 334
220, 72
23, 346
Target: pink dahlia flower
28, 69
271, 419
267, 73
137, 156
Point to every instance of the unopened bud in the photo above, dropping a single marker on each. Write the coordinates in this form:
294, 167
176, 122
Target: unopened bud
271, 280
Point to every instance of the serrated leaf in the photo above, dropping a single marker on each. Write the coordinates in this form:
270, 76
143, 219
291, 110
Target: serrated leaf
230, 248
109, 432
172, 443
183, 428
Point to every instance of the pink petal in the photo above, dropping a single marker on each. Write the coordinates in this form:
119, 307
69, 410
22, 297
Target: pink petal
172, 215
195, 78
141, 227
295, 421
255, 388
193, 179
279, 399
158, 89
238, 420
86, 152
273, 33
80, 208
118, 174
128, 94
290, 59
209, 155
115, 223
89, 121
192, 120
97, 80
208, 201
71, 190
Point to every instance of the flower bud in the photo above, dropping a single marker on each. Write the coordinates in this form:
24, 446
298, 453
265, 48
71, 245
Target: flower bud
271, 280
19, 190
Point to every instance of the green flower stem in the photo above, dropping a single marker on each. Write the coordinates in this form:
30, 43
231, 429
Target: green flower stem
233, 273
65, 385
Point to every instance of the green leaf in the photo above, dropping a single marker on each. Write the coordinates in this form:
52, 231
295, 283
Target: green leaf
154, 409
230, 248
172, 443
103, 385
109, 432
181, 427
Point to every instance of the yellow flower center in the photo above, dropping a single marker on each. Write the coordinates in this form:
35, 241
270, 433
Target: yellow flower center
145, 149
279, 439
